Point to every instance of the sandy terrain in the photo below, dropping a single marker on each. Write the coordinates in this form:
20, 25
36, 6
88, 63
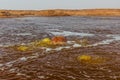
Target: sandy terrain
85, 12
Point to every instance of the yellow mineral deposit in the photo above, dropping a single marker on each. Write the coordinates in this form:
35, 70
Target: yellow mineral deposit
91, 59
84, 58
41, 43
46, 40
22, 48
97, 60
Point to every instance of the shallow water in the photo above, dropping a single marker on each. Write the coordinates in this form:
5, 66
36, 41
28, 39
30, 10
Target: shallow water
60, 63
16, 30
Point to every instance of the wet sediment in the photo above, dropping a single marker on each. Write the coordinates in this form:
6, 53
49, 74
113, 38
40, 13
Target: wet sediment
39, 64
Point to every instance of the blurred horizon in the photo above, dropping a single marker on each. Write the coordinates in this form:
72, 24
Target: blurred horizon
62, 4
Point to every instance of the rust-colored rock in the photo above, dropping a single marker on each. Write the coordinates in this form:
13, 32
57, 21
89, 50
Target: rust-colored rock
59, 40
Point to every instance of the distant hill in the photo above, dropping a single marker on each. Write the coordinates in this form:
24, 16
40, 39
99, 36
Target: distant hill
59, 12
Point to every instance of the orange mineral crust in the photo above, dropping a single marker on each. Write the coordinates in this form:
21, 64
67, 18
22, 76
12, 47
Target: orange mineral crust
59, 40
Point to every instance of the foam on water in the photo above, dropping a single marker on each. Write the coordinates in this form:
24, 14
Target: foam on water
23, 34
108, 41
57, 49
60, 48
116, 37
68, 33
6, 45
10, 63
77, 45
72, 43
23, 59
1, 65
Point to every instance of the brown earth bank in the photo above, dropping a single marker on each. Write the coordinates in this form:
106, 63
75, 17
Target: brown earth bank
59, 12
